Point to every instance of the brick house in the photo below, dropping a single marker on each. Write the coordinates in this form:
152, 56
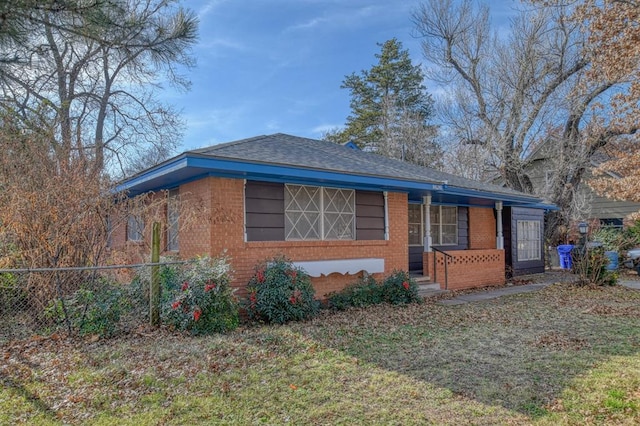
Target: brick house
338, 212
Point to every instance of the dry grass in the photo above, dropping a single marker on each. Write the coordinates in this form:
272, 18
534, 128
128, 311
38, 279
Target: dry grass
564, 355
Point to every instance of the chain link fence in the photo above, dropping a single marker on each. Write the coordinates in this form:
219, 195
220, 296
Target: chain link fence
102, 301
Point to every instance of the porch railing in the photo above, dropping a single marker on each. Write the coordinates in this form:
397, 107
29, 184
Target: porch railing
435, 266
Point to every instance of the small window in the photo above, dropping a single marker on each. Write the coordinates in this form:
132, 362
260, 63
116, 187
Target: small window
173, 218
314, 213
529, 240
135, 228
444, 225
109, 230
612, 223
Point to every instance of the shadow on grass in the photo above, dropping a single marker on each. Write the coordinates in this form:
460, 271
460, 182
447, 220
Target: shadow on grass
40, 406
518, 352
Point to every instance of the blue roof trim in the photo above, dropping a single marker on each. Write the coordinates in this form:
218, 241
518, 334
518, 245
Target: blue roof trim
472, 193
188, 167
171, 166
287, 173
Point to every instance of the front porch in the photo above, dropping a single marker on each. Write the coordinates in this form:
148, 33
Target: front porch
458, 248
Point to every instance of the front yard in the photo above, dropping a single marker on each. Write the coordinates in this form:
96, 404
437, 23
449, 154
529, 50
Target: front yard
564, 355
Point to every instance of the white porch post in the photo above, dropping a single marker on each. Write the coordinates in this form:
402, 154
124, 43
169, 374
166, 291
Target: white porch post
427, 222
500, 237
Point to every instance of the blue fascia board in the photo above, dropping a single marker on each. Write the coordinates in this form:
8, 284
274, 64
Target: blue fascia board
188, 167
171, 166
496, 196
282, 173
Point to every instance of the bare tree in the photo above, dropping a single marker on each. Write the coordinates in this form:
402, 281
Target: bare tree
509, 91
94, 76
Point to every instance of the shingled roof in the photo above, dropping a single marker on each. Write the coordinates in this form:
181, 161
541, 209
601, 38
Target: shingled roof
296, 160
288, 150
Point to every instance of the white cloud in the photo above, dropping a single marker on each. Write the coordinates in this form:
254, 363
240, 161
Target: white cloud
341, 17
208, 7
221, 42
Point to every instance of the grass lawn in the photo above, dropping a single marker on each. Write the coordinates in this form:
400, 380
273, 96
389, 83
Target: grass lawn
564, 355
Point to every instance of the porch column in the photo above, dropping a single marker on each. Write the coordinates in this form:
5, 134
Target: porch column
500, 237
427, 222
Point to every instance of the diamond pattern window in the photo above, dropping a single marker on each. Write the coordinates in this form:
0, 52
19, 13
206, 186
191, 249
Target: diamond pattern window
314, 213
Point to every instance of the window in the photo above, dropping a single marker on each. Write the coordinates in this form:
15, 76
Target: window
444, 225
611, 223
415, 225
314, 213
135, 228
173, 215
529, 240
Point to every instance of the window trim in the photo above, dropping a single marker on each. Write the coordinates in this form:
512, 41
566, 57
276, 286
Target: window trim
422, 213
138, 237
527, 249
322, 206
437, 239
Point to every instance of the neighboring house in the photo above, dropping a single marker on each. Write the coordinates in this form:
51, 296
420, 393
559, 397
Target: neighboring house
339, 212
588, 204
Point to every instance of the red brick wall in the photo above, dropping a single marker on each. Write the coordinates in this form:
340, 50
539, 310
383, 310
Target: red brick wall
223, 227
469, 268
482, 228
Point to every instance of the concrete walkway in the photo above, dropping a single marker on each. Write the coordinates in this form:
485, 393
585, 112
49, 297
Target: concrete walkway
542, 281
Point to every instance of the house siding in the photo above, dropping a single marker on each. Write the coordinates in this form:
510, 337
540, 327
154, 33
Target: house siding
264, 211
511, 216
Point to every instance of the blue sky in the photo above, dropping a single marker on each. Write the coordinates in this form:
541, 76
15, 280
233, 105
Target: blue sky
269, 66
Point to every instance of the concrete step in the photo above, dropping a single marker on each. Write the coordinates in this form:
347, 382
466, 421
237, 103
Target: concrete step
421, 279
428, 286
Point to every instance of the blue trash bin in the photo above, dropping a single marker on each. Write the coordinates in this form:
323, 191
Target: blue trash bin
613, 260
564, 253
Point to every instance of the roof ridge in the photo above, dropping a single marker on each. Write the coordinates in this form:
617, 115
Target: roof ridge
226, 144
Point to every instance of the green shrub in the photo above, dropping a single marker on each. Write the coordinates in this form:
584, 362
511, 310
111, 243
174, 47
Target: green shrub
613, 239
198, 297
399, 288
364, 292
278, 293
95, 308
591, 268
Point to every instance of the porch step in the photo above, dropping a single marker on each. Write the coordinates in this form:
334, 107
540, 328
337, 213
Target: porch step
421, 279
428, 286
430, 290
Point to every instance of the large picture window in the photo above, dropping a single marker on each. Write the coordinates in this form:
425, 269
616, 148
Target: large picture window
314, 213
444, 225
529, 240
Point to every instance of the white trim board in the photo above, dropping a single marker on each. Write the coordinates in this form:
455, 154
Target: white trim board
317, 268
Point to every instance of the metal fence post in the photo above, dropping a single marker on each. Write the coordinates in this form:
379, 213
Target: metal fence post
154, 288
